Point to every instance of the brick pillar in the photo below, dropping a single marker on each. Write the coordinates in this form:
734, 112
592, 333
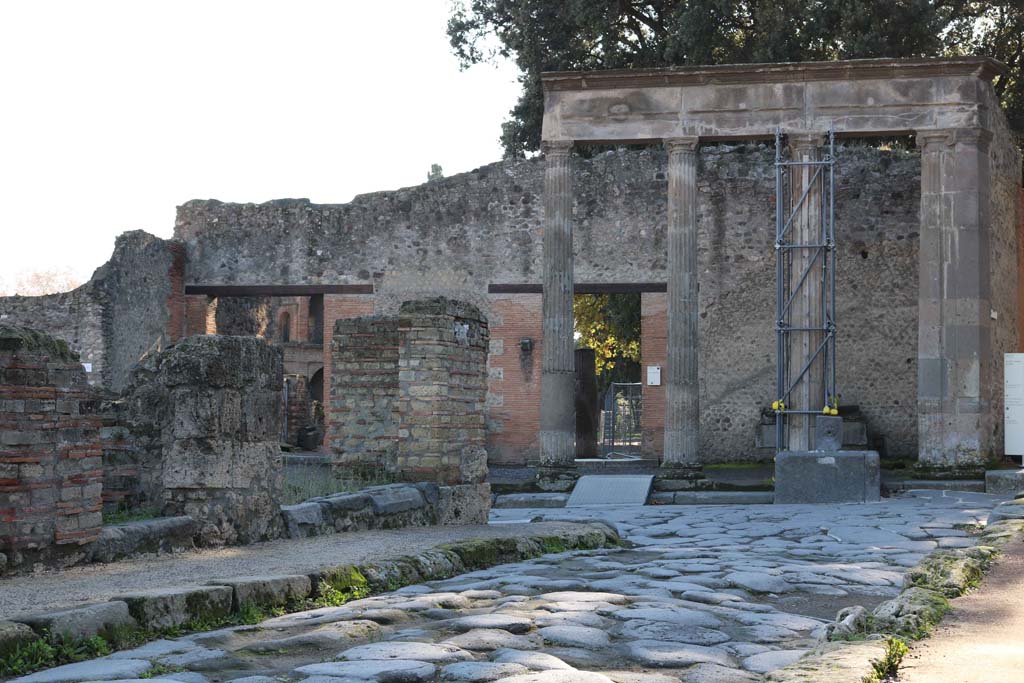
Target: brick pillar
442, 372
653, 351
337, 307
954, 351
50, 456
557, 410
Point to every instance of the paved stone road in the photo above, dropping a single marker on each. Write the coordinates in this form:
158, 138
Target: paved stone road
717, 594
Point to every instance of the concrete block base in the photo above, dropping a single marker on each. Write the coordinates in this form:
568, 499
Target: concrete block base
827, 477
1004, 482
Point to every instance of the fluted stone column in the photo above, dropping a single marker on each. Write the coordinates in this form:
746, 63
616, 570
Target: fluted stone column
557, 398
681, 458
806, 309
954, 300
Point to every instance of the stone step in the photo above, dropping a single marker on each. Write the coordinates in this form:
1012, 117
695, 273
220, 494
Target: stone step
970, 485
613, 489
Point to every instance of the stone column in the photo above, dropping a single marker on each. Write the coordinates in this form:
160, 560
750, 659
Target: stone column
557, 410
953, 363
806, 310
682, 405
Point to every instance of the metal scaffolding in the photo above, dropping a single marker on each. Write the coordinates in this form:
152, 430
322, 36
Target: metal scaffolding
804, 257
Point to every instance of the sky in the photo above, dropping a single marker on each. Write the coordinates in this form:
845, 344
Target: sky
114, 112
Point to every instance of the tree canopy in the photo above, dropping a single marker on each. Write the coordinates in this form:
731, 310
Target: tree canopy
550, 35
610, 324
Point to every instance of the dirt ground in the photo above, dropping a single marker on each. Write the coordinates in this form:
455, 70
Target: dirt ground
982, 639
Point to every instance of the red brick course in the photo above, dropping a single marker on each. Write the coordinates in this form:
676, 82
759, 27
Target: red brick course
653, 351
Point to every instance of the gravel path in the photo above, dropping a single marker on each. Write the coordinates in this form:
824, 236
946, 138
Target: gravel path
985, 626
93, 583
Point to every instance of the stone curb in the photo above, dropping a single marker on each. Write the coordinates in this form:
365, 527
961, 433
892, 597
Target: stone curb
911, 615
175, 607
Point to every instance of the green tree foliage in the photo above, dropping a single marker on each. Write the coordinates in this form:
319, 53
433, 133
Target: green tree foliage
610, 324
552, 35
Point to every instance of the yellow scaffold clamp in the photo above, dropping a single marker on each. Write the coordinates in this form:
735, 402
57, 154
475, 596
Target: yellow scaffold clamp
830, 409
778, 405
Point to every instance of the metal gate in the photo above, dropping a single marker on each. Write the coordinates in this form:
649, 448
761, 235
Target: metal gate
796, 257
621, 411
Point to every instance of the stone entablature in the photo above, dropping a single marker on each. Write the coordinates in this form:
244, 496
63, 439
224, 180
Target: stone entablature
729, 102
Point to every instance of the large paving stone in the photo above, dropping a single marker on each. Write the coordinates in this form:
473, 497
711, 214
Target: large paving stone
586, 596
421, 652
770, 661
575, 636
758, 582
507, 622
488, 639
385, 671
641, 629
534, 661
715, 673
558, 676
679, 616
664, 654
81, 622
166, 607
94, 670
478, 672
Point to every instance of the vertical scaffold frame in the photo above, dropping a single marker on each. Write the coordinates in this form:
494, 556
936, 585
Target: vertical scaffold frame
823, 247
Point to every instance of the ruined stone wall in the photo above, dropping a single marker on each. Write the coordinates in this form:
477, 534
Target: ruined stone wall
457, 235
206, 414
296, 410
50, 470
133, 304
75, 316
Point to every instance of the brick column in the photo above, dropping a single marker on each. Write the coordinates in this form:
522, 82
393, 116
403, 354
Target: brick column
953, 362
682, 406
557, 410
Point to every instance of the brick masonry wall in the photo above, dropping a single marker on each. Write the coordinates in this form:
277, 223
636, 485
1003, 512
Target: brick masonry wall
50, 455
296, 412
197, 315
362, 429
653, 351
338, 307
123, 472
513, 378
442, 374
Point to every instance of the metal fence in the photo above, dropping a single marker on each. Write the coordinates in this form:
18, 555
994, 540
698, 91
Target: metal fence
621, 411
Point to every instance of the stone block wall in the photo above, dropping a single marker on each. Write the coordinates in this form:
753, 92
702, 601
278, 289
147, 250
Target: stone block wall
442, 373
125, 479
408, 393
50, 455
206, 415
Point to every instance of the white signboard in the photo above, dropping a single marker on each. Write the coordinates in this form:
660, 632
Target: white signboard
654, 375
1013, 403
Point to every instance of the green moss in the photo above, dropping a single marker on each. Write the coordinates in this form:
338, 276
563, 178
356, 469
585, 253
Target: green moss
340, 585
17, 338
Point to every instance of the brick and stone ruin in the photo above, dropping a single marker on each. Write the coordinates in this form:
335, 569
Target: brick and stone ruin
427, 332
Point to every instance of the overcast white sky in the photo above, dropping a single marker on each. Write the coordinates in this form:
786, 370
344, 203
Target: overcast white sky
114, 112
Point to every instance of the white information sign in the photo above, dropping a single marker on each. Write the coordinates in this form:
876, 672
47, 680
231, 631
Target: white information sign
1013, 403
654, 375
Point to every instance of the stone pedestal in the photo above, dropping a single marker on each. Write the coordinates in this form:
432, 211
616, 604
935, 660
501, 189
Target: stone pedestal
827, 477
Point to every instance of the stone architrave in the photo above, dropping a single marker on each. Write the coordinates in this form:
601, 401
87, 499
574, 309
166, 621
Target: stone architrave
682, 403
558, 379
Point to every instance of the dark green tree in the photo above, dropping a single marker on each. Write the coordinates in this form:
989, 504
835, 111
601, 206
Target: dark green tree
551, 35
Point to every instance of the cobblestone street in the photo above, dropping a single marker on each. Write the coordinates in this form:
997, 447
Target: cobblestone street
723, 594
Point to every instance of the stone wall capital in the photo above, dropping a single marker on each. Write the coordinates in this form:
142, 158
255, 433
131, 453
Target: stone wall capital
688, 143
805, 140
934, 139
556, 147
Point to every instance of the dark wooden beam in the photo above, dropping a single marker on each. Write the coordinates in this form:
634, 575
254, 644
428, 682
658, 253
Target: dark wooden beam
276, 290
582, 288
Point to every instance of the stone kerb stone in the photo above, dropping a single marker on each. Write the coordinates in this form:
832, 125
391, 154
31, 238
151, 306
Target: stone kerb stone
207, 412
50, 455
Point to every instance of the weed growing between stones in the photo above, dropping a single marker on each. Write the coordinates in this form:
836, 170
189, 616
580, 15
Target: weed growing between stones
161, 670
42, 653
889, 666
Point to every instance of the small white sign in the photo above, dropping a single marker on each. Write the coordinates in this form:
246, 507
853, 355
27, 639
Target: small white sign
87, 366
654, 375
1013, 403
